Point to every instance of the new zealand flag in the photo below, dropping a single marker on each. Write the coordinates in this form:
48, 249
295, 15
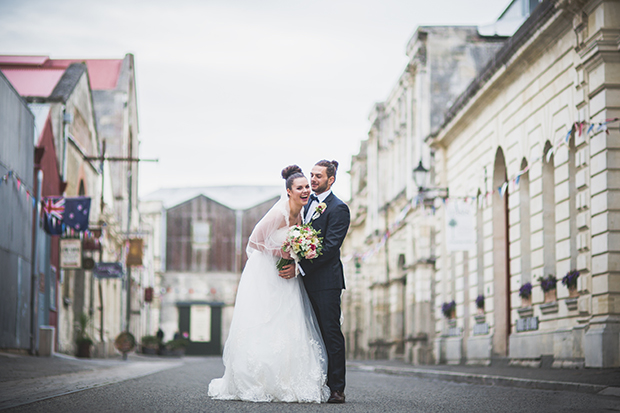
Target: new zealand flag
76, 213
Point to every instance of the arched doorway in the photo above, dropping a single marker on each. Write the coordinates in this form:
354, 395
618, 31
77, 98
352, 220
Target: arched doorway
501, 259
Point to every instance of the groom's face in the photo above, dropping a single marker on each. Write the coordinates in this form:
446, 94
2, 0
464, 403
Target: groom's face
319, 180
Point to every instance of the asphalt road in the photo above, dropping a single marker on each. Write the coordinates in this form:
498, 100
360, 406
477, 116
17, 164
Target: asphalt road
184, 389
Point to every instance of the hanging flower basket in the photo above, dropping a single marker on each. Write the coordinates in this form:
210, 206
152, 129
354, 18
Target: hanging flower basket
548, 285
449, 309
570, 281
480, 304
525, 292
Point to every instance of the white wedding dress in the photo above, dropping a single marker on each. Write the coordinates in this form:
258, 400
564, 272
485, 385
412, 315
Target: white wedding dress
274, 350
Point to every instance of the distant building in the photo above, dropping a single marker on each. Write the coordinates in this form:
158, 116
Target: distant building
200, 237
63, 94
388, 306
83, 109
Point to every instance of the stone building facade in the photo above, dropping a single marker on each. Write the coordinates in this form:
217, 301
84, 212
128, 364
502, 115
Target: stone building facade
389, 266
523, 158
538, 114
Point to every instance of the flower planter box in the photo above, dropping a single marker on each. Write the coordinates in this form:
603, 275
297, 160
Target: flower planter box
551, 296
83, 350
526, 302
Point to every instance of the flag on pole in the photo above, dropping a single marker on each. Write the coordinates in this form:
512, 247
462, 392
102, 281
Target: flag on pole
76, 213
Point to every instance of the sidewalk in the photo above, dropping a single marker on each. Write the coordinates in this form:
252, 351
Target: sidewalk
593, 381
20, 367
25, 379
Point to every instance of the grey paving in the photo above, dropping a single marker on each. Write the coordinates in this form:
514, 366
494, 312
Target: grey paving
57, 383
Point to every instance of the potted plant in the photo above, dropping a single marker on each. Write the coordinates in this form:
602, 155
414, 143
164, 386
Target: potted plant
548, 285
570, 281
177, 346
83, 341
149, 345
525, 292
449, 309
480, 304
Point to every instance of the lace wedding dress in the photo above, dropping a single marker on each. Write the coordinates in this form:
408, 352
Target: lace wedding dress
274, 350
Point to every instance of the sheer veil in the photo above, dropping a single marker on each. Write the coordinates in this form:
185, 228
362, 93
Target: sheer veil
262, 237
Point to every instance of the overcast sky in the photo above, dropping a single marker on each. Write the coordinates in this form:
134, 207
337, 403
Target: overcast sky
231, 91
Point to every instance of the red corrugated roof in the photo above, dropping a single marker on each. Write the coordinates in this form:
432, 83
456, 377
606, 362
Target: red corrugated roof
38, 82
23, 60
103, 73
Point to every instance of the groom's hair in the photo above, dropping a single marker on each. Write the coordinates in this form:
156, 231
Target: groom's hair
330, 167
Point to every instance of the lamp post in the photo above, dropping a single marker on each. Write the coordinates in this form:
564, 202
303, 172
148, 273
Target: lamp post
420, 176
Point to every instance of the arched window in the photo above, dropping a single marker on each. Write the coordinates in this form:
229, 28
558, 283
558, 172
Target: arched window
548, 198
501, 257
480, 243
525, 217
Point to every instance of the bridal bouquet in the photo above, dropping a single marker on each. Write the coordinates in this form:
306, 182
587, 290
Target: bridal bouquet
302, 241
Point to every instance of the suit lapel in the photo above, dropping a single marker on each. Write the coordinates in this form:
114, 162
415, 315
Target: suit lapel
326, 201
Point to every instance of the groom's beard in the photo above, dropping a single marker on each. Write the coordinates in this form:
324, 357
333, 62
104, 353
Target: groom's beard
320, 189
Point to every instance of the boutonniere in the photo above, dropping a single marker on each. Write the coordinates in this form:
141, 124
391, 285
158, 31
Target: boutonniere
320, 208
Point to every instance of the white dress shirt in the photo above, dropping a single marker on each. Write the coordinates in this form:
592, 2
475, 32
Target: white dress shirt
308, 217
314, 204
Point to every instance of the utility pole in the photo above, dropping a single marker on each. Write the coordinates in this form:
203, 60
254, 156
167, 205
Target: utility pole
129, 190
103, 158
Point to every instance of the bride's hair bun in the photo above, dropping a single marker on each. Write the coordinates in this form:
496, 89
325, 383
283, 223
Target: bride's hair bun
290, 170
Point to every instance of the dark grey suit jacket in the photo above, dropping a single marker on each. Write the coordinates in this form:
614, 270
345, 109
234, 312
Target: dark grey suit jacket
326, 272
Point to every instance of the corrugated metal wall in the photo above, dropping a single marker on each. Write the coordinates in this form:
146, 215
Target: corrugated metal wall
16, 154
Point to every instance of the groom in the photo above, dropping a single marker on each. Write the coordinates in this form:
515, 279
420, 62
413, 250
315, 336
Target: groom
324, 276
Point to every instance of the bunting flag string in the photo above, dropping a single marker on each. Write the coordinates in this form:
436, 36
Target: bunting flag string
11, 176
578, 128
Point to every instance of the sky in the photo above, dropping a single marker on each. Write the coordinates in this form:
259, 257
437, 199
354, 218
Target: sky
232, 91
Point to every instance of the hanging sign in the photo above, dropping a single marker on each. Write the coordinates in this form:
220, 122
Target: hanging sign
70, 253
108, 270
460, 228
134, 257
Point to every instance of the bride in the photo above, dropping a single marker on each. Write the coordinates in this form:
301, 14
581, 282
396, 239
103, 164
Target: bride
274, 350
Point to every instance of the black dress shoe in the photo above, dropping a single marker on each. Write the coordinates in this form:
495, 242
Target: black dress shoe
336, 397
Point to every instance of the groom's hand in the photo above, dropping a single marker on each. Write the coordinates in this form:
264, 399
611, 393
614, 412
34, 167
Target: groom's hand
288, 271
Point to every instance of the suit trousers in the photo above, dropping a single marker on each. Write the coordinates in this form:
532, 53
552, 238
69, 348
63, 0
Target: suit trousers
326, 305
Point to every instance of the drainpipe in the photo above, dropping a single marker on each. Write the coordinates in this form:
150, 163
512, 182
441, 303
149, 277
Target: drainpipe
67, 118
34, 286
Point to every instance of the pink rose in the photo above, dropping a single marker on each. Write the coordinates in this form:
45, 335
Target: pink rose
311, 254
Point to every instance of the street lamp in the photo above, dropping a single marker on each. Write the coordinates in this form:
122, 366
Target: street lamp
420, 176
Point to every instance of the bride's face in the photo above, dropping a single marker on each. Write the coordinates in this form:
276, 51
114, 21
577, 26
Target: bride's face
300, 191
